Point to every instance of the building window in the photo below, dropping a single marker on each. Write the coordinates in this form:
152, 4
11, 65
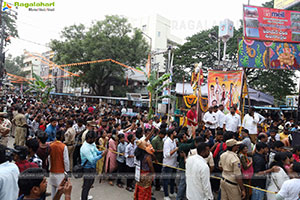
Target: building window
158, 34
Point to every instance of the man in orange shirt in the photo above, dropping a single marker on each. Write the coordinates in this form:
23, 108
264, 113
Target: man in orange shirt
59, 162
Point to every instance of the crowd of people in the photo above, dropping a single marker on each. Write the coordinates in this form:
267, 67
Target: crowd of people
214, 159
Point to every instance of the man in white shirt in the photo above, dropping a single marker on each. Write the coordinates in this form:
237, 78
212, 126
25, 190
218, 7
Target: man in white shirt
170, 158
220, 116
232, 122
9, 173
210, 120
250, 122
198, 175
290, 190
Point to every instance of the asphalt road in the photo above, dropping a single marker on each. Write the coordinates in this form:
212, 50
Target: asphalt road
100, 190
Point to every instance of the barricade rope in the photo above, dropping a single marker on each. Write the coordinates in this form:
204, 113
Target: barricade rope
180, 169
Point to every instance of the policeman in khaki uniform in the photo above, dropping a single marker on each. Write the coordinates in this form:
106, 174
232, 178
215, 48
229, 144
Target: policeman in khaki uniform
21, 128
232, 187
5, 127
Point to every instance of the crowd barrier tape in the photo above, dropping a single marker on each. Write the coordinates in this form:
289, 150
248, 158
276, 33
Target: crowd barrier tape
215, 177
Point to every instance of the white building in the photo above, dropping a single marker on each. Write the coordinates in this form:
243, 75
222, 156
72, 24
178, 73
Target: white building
158, 29
31, 65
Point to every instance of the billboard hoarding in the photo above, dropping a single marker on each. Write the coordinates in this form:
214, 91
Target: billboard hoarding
268, 55
271, 24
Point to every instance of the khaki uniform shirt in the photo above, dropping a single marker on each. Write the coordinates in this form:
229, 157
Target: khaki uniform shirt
231, 165
70, 136
19, 120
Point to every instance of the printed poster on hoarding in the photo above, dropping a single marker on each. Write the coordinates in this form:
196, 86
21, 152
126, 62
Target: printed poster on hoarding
269, 55
271, 24
224, 88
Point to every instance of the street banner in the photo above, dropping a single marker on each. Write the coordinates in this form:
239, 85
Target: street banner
271, 24
284, 4
268, 55
224, 88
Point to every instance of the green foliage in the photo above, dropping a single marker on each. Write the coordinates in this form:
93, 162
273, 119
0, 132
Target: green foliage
13, 65
40, 88
9, 20
298, 47
258, 57
111, 38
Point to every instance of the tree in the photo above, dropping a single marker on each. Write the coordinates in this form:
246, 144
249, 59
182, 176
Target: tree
13, 65
112, 38
10, 26
40, 88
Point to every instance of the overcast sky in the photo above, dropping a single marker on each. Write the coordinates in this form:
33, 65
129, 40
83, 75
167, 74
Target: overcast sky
187, 17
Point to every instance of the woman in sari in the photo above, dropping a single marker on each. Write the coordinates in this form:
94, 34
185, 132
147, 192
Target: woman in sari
143, 155
102, 146
111, 158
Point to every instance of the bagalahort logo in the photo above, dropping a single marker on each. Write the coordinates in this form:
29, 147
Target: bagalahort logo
36, 6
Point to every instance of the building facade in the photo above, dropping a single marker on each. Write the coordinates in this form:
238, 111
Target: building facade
157, 30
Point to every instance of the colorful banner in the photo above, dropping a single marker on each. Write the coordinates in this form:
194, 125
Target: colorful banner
268, 55
224, 88
284, 4
271, 24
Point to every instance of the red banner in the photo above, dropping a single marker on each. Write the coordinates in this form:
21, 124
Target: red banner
271, 24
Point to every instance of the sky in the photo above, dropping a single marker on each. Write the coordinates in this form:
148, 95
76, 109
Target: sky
37, 28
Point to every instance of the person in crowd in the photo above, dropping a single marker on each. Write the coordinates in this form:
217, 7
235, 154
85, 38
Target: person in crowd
158, 145
44, 149
20, 158
198, 175
5, 127
89, 157
70, 141
272, 138
59, 162
220, 116
143, 154
246, 140
8, 177
111, 158
290, 189
79, 128
33, 185
130, 168
210, 119
90, 126
170, 157
296, 153
121, 159
103, 140
260, 170
250, 122
51, 130
192, 118
20, 128
278, 147
285, 134
232, 187
33, 145
246, 166
178, 114
232, 122
61, 125
184, 147
278, 178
